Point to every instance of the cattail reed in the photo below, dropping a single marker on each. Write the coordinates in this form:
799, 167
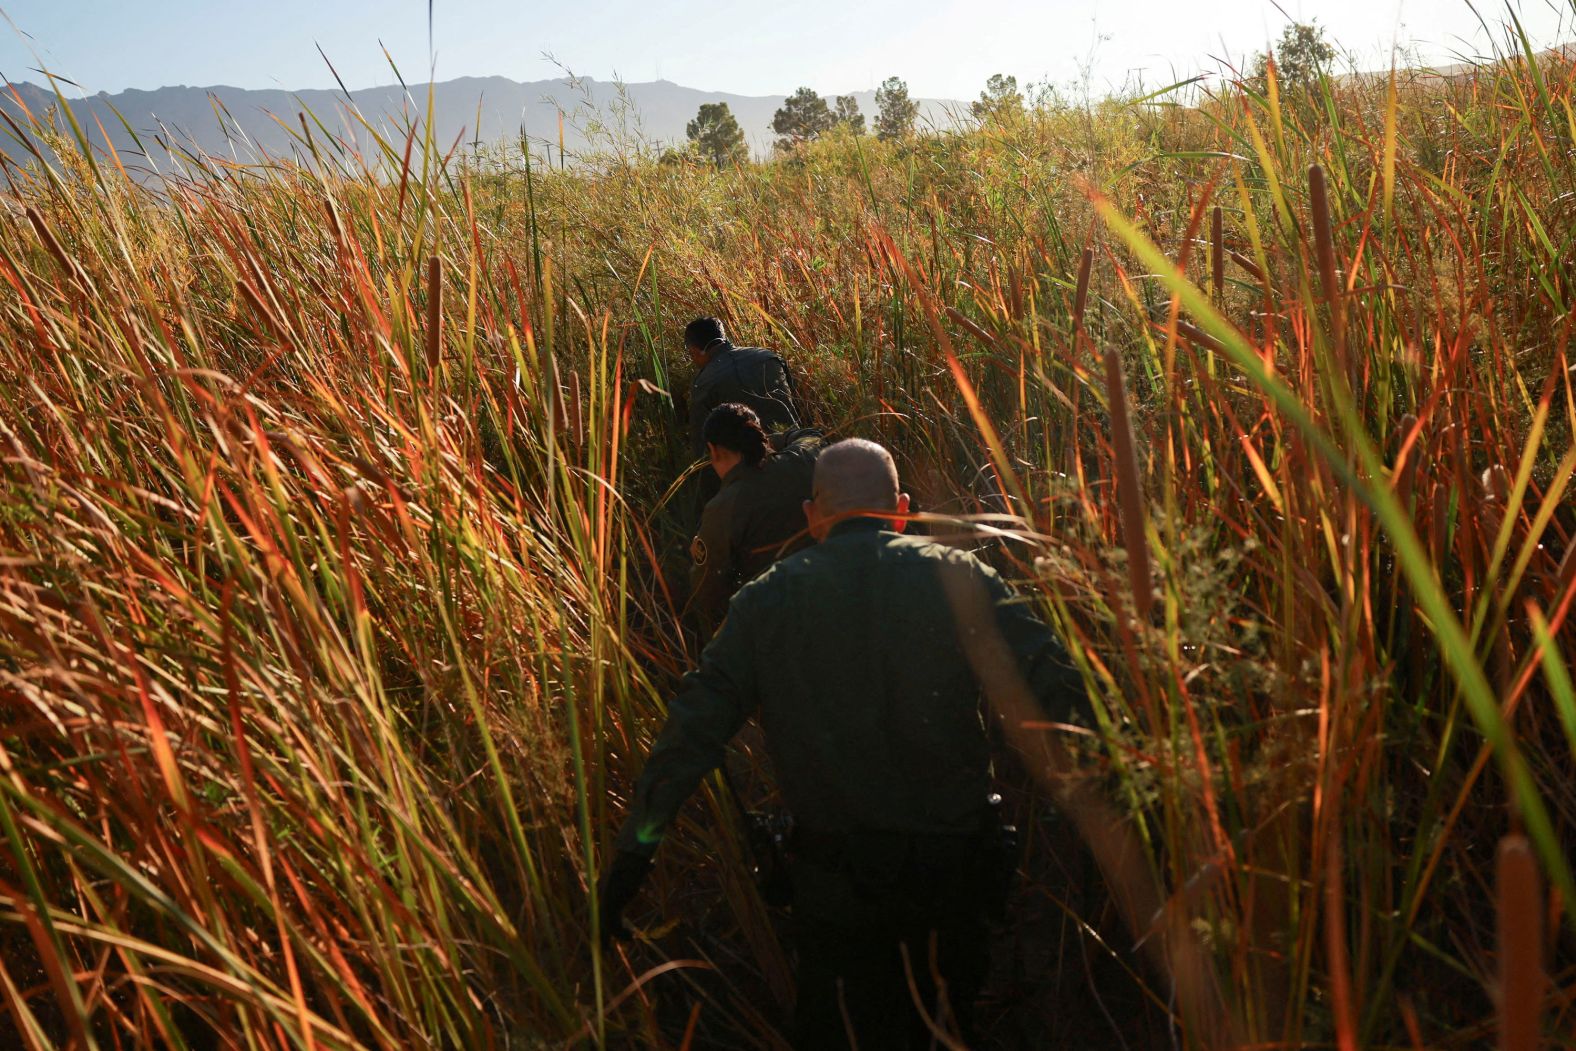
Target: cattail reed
434, 315
1129, 493
1217, 254
1081, 297
1405, 478
1520, 935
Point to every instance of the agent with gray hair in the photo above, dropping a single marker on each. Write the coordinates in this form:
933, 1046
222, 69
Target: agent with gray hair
865, 656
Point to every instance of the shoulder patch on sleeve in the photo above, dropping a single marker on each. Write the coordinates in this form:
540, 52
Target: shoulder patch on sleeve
698, 551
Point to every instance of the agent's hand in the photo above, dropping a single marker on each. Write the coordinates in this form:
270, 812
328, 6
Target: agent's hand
619, 886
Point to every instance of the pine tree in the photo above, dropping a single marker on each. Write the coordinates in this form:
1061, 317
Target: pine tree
1301, 57
1001, 100
717, 135
895, 111
803, 117
848, 114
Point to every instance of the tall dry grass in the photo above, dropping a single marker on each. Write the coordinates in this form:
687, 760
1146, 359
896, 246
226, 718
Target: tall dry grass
336, 509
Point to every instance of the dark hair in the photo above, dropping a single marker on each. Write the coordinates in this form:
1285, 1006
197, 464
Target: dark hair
734, 426
703, 332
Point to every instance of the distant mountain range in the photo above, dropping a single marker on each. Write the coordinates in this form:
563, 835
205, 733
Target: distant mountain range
238, 122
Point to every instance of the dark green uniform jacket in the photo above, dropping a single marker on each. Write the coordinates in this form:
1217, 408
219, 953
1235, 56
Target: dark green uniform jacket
750, 523
851, 653
747, 375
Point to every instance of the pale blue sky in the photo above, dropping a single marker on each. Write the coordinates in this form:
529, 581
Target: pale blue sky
943, 48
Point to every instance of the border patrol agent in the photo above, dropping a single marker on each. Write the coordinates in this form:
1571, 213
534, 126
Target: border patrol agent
751, 376
867, 672
758, 516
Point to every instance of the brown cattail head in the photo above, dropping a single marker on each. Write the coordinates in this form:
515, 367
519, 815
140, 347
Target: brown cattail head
1398, 436
1217, 244
1082, 295
1496, 493
434, 314
1440, 530
1408, 471
355, 499
1129, 494
1520, 918
1199, 337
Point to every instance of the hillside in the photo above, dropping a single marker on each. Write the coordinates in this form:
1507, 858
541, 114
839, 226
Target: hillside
226, 121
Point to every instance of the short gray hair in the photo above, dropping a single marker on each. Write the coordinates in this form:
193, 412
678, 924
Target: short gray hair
855, 475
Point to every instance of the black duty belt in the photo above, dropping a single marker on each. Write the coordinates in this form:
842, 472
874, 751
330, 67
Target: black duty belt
879, 862
834, 849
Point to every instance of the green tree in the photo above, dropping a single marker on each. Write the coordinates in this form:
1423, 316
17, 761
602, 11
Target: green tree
717, 135
1001, 100
803, 117
1302, 58
848, 113
895, 111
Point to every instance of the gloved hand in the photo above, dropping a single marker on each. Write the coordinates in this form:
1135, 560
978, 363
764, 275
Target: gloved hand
620, 883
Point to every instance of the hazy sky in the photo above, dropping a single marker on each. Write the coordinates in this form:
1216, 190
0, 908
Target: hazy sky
943, 48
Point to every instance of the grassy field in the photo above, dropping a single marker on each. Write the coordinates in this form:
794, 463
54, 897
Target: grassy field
337, 531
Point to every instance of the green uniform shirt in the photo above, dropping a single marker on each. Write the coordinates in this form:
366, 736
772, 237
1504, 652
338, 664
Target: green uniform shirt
750, 523
850, 652
748, 375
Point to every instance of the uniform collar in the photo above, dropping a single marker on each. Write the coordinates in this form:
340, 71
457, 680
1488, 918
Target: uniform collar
722, 351
862, 524
736, 473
